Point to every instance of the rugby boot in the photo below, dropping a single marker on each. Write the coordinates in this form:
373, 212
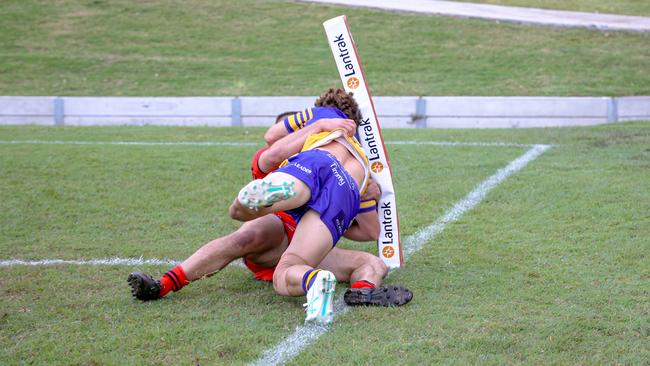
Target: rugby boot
143, 287
262, 193
393, 295
320, 299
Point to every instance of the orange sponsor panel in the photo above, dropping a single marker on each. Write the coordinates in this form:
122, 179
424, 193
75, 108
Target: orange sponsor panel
377, 167
353, 83
388, 251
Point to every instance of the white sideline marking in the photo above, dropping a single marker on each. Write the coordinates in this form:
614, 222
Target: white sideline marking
460, 143
305, 335
99, 262
90, 262
242, 143
130, 143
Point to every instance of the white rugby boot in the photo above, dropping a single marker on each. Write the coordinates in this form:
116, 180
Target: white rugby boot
320, 299
262, 193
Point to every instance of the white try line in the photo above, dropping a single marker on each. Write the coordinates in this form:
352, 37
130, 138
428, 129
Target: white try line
305, 335
243, 143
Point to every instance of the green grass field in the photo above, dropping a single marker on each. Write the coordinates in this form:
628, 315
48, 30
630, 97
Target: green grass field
551, 268
199, 48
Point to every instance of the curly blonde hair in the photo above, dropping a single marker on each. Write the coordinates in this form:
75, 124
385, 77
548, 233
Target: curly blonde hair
340, 99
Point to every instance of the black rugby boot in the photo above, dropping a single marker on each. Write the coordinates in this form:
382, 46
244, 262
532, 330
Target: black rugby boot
143, 287
393, 295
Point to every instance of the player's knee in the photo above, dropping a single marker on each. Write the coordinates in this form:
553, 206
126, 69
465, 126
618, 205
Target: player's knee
280, 285
247, 238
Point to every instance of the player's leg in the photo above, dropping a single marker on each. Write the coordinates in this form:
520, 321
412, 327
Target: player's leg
262, 241
365, 272
311, 242
354, 265
296, 274
278, 191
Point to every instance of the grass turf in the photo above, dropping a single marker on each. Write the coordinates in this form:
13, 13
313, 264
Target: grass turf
549, 268
196, 48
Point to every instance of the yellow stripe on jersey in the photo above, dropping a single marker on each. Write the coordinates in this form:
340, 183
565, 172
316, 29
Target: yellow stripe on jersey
292, 122
299, 120
303, 117
310, 114
366, 204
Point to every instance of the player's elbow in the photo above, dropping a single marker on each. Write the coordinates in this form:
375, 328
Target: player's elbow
271, 136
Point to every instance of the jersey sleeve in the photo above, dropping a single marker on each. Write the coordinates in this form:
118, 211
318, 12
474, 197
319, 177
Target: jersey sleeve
298, 120
255, 167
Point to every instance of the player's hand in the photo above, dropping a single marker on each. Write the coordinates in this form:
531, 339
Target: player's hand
373, 191
331, 124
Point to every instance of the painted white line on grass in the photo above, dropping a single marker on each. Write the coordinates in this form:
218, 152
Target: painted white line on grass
415, 242
305, 335
130, 143
243, 143
460, 143
98, 262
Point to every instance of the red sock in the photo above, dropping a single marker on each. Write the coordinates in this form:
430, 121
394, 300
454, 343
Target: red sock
363, 284
174, 280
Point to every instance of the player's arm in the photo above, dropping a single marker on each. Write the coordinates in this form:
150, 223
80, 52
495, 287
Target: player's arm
275, 133
366, 224
285, 124
292, 143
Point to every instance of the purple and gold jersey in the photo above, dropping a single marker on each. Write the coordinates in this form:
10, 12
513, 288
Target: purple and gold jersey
310, 115
334, 193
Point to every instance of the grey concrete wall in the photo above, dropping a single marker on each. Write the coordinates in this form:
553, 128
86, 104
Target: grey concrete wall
393, 112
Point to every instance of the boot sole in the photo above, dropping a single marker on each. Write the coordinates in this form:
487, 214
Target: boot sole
387, 296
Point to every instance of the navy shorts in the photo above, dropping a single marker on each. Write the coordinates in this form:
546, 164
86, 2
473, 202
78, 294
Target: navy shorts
334, 193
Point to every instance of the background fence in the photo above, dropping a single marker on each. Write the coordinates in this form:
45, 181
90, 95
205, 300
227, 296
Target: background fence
393, 112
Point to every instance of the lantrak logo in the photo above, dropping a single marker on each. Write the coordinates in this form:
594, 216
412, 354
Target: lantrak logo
377, 167
371, 143
345, 56
386, 215
353, 83
388, 251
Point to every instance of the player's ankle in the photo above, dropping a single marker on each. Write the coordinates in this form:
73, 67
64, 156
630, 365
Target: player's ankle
173, 280
362, 284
